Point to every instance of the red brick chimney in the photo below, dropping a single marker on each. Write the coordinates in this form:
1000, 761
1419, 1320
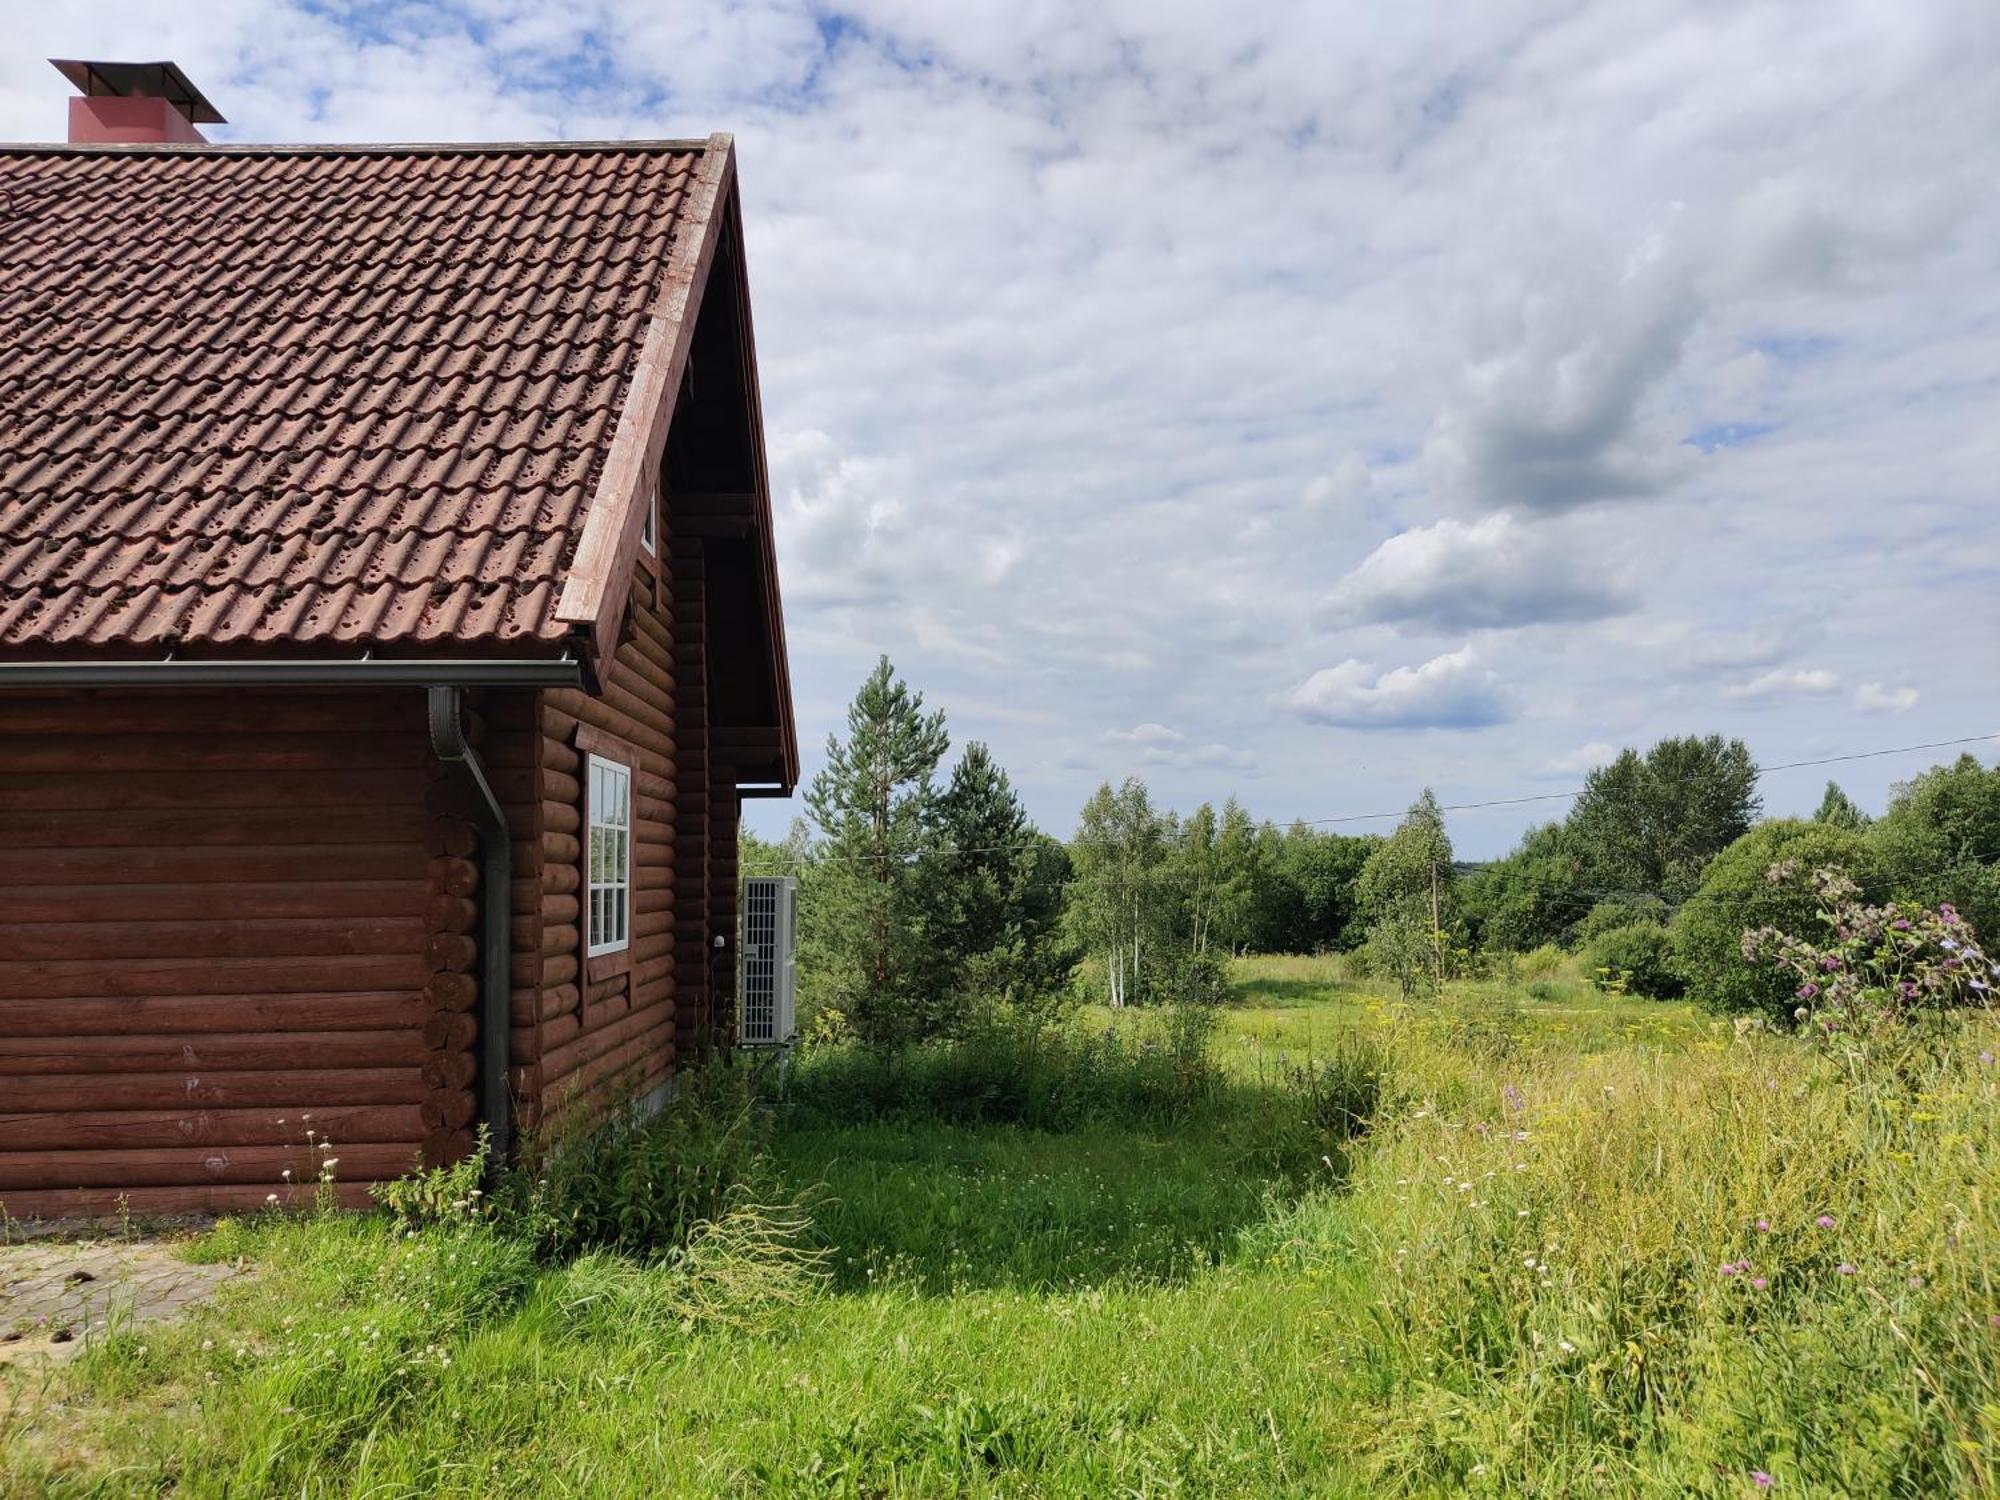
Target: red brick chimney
134, 104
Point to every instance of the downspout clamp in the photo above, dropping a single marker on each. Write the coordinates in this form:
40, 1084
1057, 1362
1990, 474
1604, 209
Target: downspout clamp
496, 889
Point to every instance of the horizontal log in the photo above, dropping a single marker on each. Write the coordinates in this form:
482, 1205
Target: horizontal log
589, 1046
215, 937
44, 753
209, 866
176, 711
84, 978
287, 1089
256, 827
559, 817
533, 1043
192, 1165
558, 938
114, 1204
582, 709
182, 791
560, 848
562, 788
166, 903
199, 1052
532, 1006
97, 1129
630, 1065
561, 879
174, 1016
557, 756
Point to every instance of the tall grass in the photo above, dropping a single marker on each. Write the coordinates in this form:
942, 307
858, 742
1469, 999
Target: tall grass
1345, 1247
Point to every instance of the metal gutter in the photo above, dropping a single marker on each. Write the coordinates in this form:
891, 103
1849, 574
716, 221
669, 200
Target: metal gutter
496, 893
363, 671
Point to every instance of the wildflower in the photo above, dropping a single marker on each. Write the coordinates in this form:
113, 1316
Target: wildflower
270, 1197
1763, 1226
1807, 990
1901, 924
1986, 1058
1726, 1270
1948, 912
1759, 1282
1992, 1321
1825, 1221
1566, 1346
1846, 1270
1762, 1480
1916, 1283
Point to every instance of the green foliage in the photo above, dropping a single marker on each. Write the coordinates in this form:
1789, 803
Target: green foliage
433, 1196
1122, 901
1408, 893
996, 896
1639, 956
638, 1183
1736, 895
1621, 911
1940, 840
1837, 808
875, 806
1651, 823
1531, 897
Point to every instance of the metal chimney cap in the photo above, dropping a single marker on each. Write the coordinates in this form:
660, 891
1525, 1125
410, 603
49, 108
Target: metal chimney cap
149, 80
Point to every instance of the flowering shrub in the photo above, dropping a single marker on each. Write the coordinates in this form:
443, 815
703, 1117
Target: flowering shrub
1882, 965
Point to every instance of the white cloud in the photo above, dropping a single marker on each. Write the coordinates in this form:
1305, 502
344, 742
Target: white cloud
1453, 691
1146, 734
1779, 683
1099, 341
1877, 698
1493, 573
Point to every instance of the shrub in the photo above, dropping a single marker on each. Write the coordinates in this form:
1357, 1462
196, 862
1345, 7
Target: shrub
1641, 955
1734, 896
1621, 911
1878, 965
1545, 962
639, 1183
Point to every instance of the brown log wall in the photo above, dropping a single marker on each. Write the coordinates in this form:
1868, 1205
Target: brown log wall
228, 918
590, 1030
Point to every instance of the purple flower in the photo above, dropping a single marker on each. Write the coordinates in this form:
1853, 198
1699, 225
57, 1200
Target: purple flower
1846, 1270
1986, 1058
1829, 963
1743, 1265
1807, 990
1948, 912
1901, 924
1759, 1282
1725, 1270
1825, 1221
1993, 1320
1763, 1226
1762, 1480
1515, 1103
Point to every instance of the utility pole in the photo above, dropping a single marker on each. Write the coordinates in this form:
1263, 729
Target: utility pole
1437, 931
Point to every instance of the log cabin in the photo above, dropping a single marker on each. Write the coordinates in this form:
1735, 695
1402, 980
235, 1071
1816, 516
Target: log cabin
389, 635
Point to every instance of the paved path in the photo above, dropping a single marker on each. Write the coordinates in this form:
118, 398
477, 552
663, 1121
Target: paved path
53, 1294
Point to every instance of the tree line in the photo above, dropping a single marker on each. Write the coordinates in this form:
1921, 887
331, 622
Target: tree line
928, 894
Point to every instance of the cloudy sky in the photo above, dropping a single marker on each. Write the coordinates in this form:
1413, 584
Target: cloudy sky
1306, 401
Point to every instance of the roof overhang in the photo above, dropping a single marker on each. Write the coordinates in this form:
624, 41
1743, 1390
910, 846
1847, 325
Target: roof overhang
362, 671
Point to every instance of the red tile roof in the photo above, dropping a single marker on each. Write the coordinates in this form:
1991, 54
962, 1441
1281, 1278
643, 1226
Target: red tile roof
319, 397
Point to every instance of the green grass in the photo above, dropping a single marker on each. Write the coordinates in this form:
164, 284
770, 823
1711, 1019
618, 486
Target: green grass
1510, 1286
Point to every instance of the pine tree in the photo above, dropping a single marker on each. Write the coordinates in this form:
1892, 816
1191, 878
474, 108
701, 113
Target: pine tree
996, 891
875, 805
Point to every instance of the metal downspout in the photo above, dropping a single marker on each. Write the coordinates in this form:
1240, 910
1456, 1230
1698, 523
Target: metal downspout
496, 889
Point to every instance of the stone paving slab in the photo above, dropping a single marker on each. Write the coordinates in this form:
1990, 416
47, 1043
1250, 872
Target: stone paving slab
52, 1295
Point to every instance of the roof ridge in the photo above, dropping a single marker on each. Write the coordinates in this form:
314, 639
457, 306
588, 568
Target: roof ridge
677, 147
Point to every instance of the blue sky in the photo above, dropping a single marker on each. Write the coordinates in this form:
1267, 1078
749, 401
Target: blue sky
1307, 402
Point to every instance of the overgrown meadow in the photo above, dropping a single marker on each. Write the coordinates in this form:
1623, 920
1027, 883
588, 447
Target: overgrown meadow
1524, 1238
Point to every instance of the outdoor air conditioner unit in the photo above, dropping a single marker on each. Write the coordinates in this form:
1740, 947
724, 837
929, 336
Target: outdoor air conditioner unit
765, 993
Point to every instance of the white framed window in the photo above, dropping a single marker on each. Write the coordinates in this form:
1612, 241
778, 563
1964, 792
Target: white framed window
649, 527
609, 857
